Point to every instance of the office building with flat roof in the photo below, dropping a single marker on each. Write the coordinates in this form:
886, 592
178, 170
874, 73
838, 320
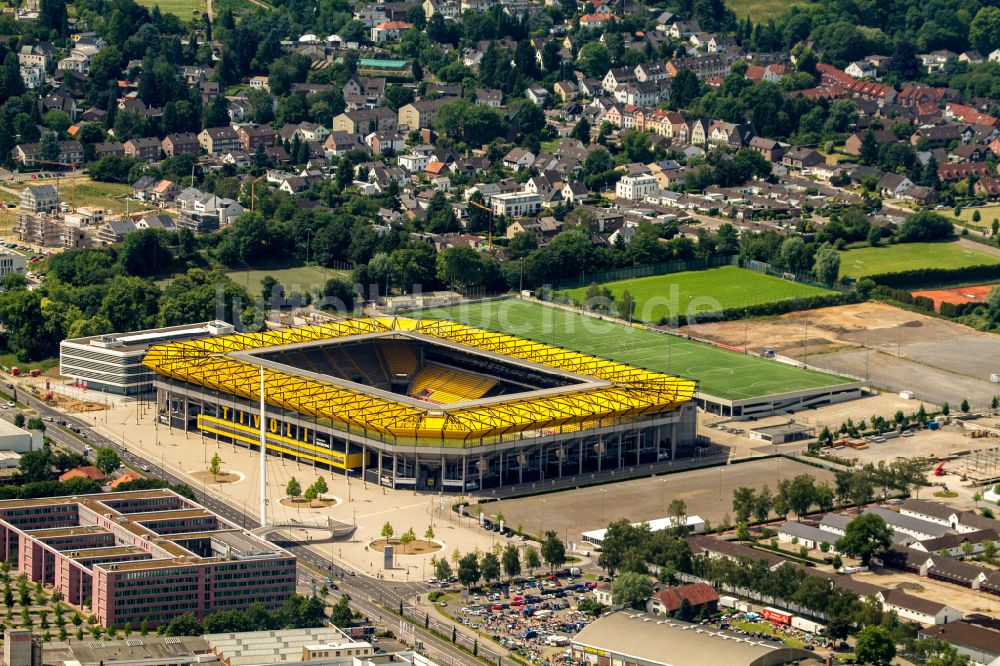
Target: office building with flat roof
112, 363
139, 556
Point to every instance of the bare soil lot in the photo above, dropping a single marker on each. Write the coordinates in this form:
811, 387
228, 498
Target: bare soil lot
895, 349
965, 600
707, 493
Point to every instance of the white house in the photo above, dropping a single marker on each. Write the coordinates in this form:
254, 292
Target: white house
636, 187
389, 31
414, 162
861, 69
516, 204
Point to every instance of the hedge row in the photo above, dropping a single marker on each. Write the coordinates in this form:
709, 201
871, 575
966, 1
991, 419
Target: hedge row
955, 310
777, 307
924, 277
904, 297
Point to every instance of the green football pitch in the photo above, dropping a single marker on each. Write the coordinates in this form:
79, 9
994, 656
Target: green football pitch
693, 292
720, 372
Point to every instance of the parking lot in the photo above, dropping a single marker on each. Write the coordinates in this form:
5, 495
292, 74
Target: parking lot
706, 492
534, 619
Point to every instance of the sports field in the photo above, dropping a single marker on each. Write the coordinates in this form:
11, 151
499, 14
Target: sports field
692, 292
910, 256
721, 373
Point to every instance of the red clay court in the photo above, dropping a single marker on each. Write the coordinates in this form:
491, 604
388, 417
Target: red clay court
976, 294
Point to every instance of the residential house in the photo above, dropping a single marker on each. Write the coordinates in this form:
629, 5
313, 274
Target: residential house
112, 148
114, 231
574, 193
772, 150
515, 204
219, 140
636, 187
365, 121
389, 31
385, 142
960, 171
861, 69
894, 185
146, 149
518, 158
801, 158
181, 143
537, 94
253, 136
733, 135
339, 143
29, 154
202, 212
40, 199
421, 114
566, 90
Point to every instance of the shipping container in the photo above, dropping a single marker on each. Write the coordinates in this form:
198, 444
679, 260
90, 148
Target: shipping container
776, 616
807, 625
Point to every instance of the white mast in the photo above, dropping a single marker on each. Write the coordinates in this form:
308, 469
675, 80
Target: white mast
263, 455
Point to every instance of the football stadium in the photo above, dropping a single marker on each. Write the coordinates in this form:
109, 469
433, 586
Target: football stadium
424, 404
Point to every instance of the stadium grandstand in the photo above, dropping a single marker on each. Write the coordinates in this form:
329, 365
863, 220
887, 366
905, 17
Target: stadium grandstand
425, 404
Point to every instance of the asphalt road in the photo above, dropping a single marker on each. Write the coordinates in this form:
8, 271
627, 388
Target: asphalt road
368, 596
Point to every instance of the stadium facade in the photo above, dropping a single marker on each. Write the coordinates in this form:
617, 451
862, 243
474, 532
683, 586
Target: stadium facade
428, 405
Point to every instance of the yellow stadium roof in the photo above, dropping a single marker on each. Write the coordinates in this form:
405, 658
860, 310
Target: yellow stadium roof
621, 393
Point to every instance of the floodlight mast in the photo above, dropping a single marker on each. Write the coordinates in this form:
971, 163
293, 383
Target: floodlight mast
263, 455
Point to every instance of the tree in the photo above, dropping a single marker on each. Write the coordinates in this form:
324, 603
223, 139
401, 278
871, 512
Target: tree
406, 538
468, 570
340, 614
763, 504
429, 533
865, 536
106, 460
319, 485
293, 488
511, 561
827, 266
489, 566
625, 305
531, 559
215, 466
442, 570
964, 406
49, 149
875, 646
632, 590
553, 550
387, 531
677, 510
743, 503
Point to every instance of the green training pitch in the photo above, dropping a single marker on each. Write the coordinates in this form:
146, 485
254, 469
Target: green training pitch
911, 256
718, 371
662, 297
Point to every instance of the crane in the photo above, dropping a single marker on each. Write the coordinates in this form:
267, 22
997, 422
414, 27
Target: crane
489, 242
73, 174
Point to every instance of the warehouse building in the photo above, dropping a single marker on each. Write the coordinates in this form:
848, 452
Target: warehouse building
637, 639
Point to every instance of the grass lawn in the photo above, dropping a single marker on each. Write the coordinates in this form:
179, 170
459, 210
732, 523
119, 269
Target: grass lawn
691, 292
298, 278
183, 9
768, 628
986, 214
10, 361
762, 10
110, 196
909, 256
717, 370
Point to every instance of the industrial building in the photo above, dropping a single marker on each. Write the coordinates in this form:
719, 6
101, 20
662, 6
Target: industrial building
112, 363
637, 639
142, 556
424, 404
17, 439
